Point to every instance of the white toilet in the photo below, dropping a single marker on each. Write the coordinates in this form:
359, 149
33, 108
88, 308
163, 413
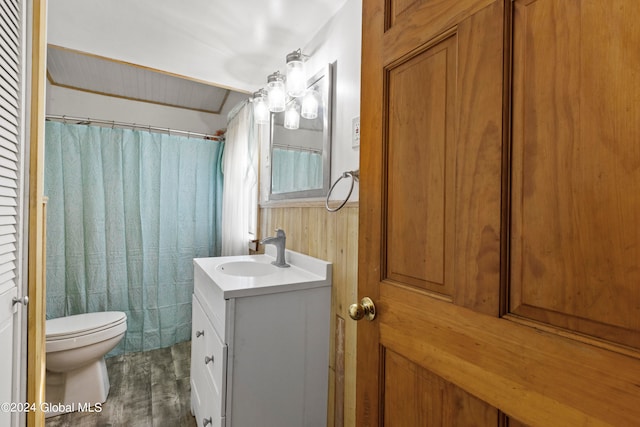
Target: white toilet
76, 370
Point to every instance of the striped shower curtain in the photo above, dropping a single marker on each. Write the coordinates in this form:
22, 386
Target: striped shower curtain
127, 213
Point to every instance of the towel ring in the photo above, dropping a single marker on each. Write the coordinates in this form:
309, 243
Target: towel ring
355, 176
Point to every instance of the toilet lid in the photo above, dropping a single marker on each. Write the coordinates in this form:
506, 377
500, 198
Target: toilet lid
82, 323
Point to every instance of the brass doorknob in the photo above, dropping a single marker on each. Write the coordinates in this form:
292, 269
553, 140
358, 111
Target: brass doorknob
366, 308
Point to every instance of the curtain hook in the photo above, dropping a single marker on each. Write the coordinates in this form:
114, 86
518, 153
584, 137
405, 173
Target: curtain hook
64, 119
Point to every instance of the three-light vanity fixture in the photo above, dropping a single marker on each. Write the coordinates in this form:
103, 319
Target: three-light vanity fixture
287, 93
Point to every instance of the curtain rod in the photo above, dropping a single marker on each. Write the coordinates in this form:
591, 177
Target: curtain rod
296, 148
112, 123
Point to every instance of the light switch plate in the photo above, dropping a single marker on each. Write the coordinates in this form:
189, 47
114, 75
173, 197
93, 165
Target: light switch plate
355, 132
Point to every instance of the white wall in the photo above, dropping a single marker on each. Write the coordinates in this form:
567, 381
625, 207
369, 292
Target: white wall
68, 102
234, 44
337, 42
340, 41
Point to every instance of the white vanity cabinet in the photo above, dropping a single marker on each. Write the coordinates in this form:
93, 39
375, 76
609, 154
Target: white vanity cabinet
260, 343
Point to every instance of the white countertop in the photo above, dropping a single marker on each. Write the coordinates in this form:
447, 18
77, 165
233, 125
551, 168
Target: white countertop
305, 272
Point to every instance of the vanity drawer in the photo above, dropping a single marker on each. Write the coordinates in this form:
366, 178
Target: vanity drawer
200, 328
203, 411
208, 359
215, 361
212, 300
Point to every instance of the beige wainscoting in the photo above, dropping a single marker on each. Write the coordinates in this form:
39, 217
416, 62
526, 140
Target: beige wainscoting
332, 236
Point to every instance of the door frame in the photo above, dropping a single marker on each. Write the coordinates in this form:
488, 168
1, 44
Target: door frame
35, 82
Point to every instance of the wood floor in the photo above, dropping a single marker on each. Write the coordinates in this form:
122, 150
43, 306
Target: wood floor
147, 389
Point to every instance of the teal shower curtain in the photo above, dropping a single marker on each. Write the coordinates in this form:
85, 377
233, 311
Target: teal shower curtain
127, 213
295, 170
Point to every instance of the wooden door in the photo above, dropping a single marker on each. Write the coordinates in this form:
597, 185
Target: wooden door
499, 204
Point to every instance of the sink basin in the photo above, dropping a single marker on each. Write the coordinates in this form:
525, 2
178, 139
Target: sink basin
238, 276
246, 268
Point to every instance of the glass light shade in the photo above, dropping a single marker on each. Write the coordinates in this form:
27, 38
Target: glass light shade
292, 116
296, 76
310, 105
275, 92
260, 109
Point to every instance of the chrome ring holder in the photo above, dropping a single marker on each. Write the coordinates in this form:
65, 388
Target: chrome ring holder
355, 176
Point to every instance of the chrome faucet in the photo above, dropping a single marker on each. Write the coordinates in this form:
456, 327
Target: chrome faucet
279, 242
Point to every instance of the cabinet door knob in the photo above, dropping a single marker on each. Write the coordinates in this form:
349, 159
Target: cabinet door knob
206, 421
199, 333
208, 359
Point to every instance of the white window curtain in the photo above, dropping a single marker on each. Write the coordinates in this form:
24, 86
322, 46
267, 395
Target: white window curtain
240, 195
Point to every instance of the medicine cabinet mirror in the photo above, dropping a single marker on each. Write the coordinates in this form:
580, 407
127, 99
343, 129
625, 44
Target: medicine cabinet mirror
300, 158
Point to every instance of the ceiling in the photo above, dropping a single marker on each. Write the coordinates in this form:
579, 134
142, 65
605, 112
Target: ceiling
104, 76
198, 55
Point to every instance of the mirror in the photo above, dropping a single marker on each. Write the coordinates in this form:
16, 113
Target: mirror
300, 158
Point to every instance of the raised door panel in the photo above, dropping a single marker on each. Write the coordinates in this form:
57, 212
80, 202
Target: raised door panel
576, 167
439, 207
416, 397
399, 9
442, 158
421, 168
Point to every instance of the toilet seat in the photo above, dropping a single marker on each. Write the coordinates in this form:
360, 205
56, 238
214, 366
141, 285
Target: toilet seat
81, 324
79, 330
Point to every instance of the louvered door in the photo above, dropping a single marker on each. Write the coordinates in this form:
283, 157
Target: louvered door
11, 135
9, 139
